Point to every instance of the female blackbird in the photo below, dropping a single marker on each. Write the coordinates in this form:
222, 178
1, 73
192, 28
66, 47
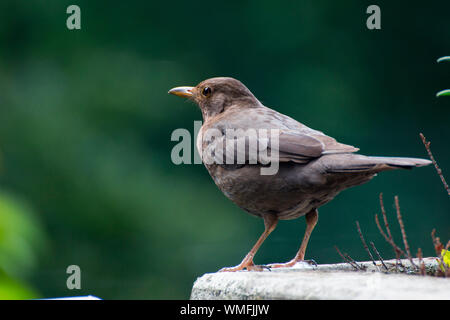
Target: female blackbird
311, 167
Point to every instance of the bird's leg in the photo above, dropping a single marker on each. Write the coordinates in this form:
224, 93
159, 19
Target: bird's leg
270, 222
311, 221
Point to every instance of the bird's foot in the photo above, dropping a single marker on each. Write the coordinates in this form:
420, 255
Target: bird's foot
291, 263
250, 266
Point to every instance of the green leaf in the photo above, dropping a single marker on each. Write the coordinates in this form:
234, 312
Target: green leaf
21, 236
445, 92
447, 58
13, 289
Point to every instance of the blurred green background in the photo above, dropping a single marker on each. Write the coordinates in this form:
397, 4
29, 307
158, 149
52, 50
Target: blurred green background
85, 122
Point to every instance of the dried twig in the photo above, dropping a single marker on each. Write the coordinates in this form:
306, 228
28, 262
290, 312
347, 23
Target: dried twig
438, 247
348, 259
383, 211
378, 254
436, 242
397, 249
430, 155
388, 238
421, 263
365, 244
354, 262
402, 228
344, 257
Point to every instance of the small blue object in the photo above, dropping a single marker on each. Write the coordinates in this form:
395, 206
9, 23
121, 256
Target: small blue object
89, 297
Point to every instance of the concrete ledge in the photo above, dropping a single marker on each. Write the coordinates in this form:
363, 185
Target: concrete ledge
336, 281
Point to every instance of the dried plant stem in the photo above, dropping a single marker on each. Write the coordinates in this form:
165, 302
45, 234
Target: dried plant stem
364, 243
378, 255
438, 247
348, 259
397, 249
388, 238
421, 263
383, 211
436, 242
430, 155
402, 229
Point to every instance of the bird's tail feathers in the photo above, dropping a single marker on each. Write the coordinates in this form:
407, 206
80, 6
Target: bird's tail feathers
360, 163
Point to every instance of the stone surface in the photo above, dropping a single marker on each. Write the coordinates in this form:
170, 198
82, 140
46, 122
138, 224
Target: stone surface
336, 281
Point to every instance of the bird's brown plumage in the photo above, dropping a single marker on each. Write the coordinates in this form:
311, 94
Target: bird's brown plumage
313, 167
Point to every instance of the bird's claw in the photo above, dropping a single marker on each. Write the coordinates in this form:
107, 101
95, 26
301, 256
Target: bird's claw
291, 264
257, 268
311, 262
248, 267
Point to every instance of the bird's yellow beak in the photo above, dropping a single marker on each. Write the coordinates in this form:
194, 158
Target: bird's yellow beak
184, 92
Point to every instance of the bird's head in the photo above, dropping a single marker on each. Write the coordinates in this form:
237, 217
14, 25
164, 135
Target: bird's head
215, 95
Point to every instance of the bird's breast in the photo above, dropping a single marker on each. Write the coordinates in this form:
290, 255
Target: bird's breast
288, 194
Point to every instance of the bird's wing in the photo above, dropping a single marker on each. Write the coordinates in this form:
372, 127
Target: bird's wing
332, 146
296, 142
281, 145
297, 147
304, 145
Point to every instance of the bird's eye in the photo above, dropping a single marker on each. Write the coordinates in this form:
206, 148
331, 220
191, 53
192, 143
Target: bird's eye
206, 91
